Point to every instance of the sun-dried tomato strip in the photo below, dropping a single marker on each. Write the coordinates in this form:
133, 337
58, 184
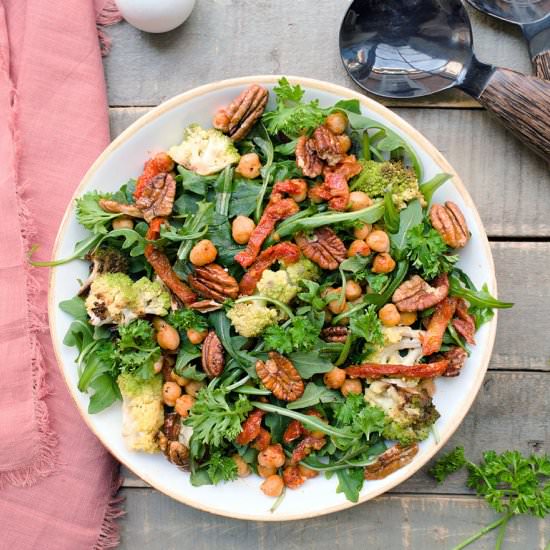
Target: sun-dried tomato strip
464, 324
432, 340
250, 428
305, 447
288, 252
273, 213
160, 163
334, 189
378, 370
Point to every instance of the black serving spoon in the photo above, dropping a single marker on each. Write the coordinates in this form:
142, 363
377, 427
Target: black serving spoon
533, 16
411, 48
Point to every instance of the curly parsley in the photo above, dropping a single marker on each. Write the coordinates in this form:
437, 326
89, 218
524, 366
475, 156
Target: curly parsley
301, 335
185, 319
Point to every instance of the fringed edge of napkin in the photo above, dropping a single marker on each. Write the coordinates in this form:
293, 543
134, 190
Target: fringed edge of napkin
109, 536
109, 15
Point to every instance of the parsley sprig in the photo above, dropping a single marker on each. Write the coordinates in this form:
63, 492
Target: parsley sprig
512, 484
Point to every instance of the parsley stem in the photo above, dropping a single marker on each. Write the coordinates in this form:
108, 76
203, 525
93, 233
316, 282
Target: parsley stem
502, 532
279, 304
278, 501
80, 250
483, 532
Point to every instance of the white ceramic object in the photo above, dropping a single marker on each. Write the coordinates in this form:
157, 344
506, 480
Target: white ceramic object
123, 159
155, 15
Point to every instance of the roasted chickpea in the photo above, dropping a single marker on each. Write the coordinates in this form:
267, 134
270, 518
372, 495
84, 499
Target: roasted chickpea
170, 393
272, 457
344, 143
306, 472
362, 232
124, 222
249, 166
301, 195
334, 378
358, 247
389, 315
264, 471
359, 200
184, 404
196, 336
194, 387
243, 469
378, 241
204, 252
273, 486
337, 122
241, 229
383, 263
167, 336
180, 380
353, 291
336, 305
351, 386
408, 318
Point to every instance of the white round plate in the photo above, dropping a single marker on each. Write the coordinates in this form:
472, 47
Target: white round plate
123, 159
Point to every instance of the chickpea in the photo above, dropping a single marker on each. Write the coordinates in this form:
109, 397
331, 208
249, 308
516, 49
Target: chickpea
389, 315
170, 393
408, 318
344, 143
358, 247
273, 486
353, 291
306, 472
167, 336
359, 200
204, 252
184, 404
196, 336
301, 195
124, 222
337, 122
335, 305
383, 263
266, 471
180, 380
334, 378
362, 232
351, 386
272, 457
243, 469
378, 241
249, 166
241, 229
194, 387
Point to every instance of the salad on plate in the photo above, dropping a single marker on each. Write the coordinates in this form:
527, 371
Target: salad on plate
276, 294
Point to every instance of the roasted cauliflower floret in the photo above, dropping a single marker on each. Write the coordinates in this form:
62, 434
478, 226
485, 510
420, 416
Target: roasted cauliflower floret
378, 178
251, 318
302, 269
204, 151
142, 411
151, 298
410, 412
401, 346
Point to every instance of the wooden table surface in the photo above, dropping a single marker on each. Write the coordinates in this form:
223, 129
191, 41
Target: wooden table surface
511, 187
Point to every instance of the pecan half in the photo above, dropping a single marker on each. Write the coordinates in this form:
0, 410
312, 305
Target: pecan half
449, 222
205, 306
178, 454
157, 196
160, 163
456, 357
390, 461
335, 334
280, 377
416, 294
323, 247
464, 323
304, 448
327, 146
307, 159
119, 208
213, 359
213, 282
171, 426
238, 118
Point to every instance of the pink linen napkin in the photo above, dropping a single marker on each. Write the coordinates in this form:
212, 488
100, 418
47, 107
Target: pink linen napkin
57, 482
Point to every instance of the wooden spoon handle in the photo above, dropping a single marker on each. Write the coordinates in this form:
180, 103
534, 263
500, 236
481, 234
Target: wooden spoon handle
522, 103
541, 64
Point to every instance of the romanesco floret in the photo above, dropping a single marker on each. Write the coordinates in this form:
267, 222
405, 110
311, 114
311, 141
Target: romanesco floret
142, 411
111, 300
151, 298
410, 412
378, 178
251, 318
302, 269
277, 285
104, 259
204, 151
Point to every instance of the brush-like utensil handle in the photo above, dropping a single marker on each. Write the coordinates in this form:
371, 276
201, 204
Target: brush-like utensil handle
541, 64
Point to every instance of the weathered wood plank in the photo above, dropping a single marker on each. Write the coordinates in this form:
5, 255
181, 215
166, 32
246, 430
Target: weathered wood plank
154, 521
229, 38
510, 186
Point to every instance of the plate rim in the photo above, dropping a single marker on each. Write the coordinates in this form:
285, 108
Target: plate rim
422, 142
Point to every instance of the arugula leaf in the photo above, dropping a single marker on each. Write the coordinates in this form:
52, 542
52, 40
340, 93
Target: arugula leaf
90, 215
193, 182
243, 198
75, 307
195, 224
224, 184
409, 217
429, 187
376, 281
478, 298
220, 234
81, 248
191, 372
391, 215
277, 425
350, 482
448, 464
186, 354
312, 296
106, 392
314, 394
309, 363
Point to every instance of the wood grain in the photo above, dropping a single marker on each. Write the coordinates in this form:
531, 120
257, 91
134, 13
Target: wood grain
541, 65
509, 184
229, 38
409, 522
522, 104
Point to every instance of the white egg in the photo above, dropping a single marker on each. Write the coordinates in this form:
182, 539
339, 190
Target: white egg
155, 15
